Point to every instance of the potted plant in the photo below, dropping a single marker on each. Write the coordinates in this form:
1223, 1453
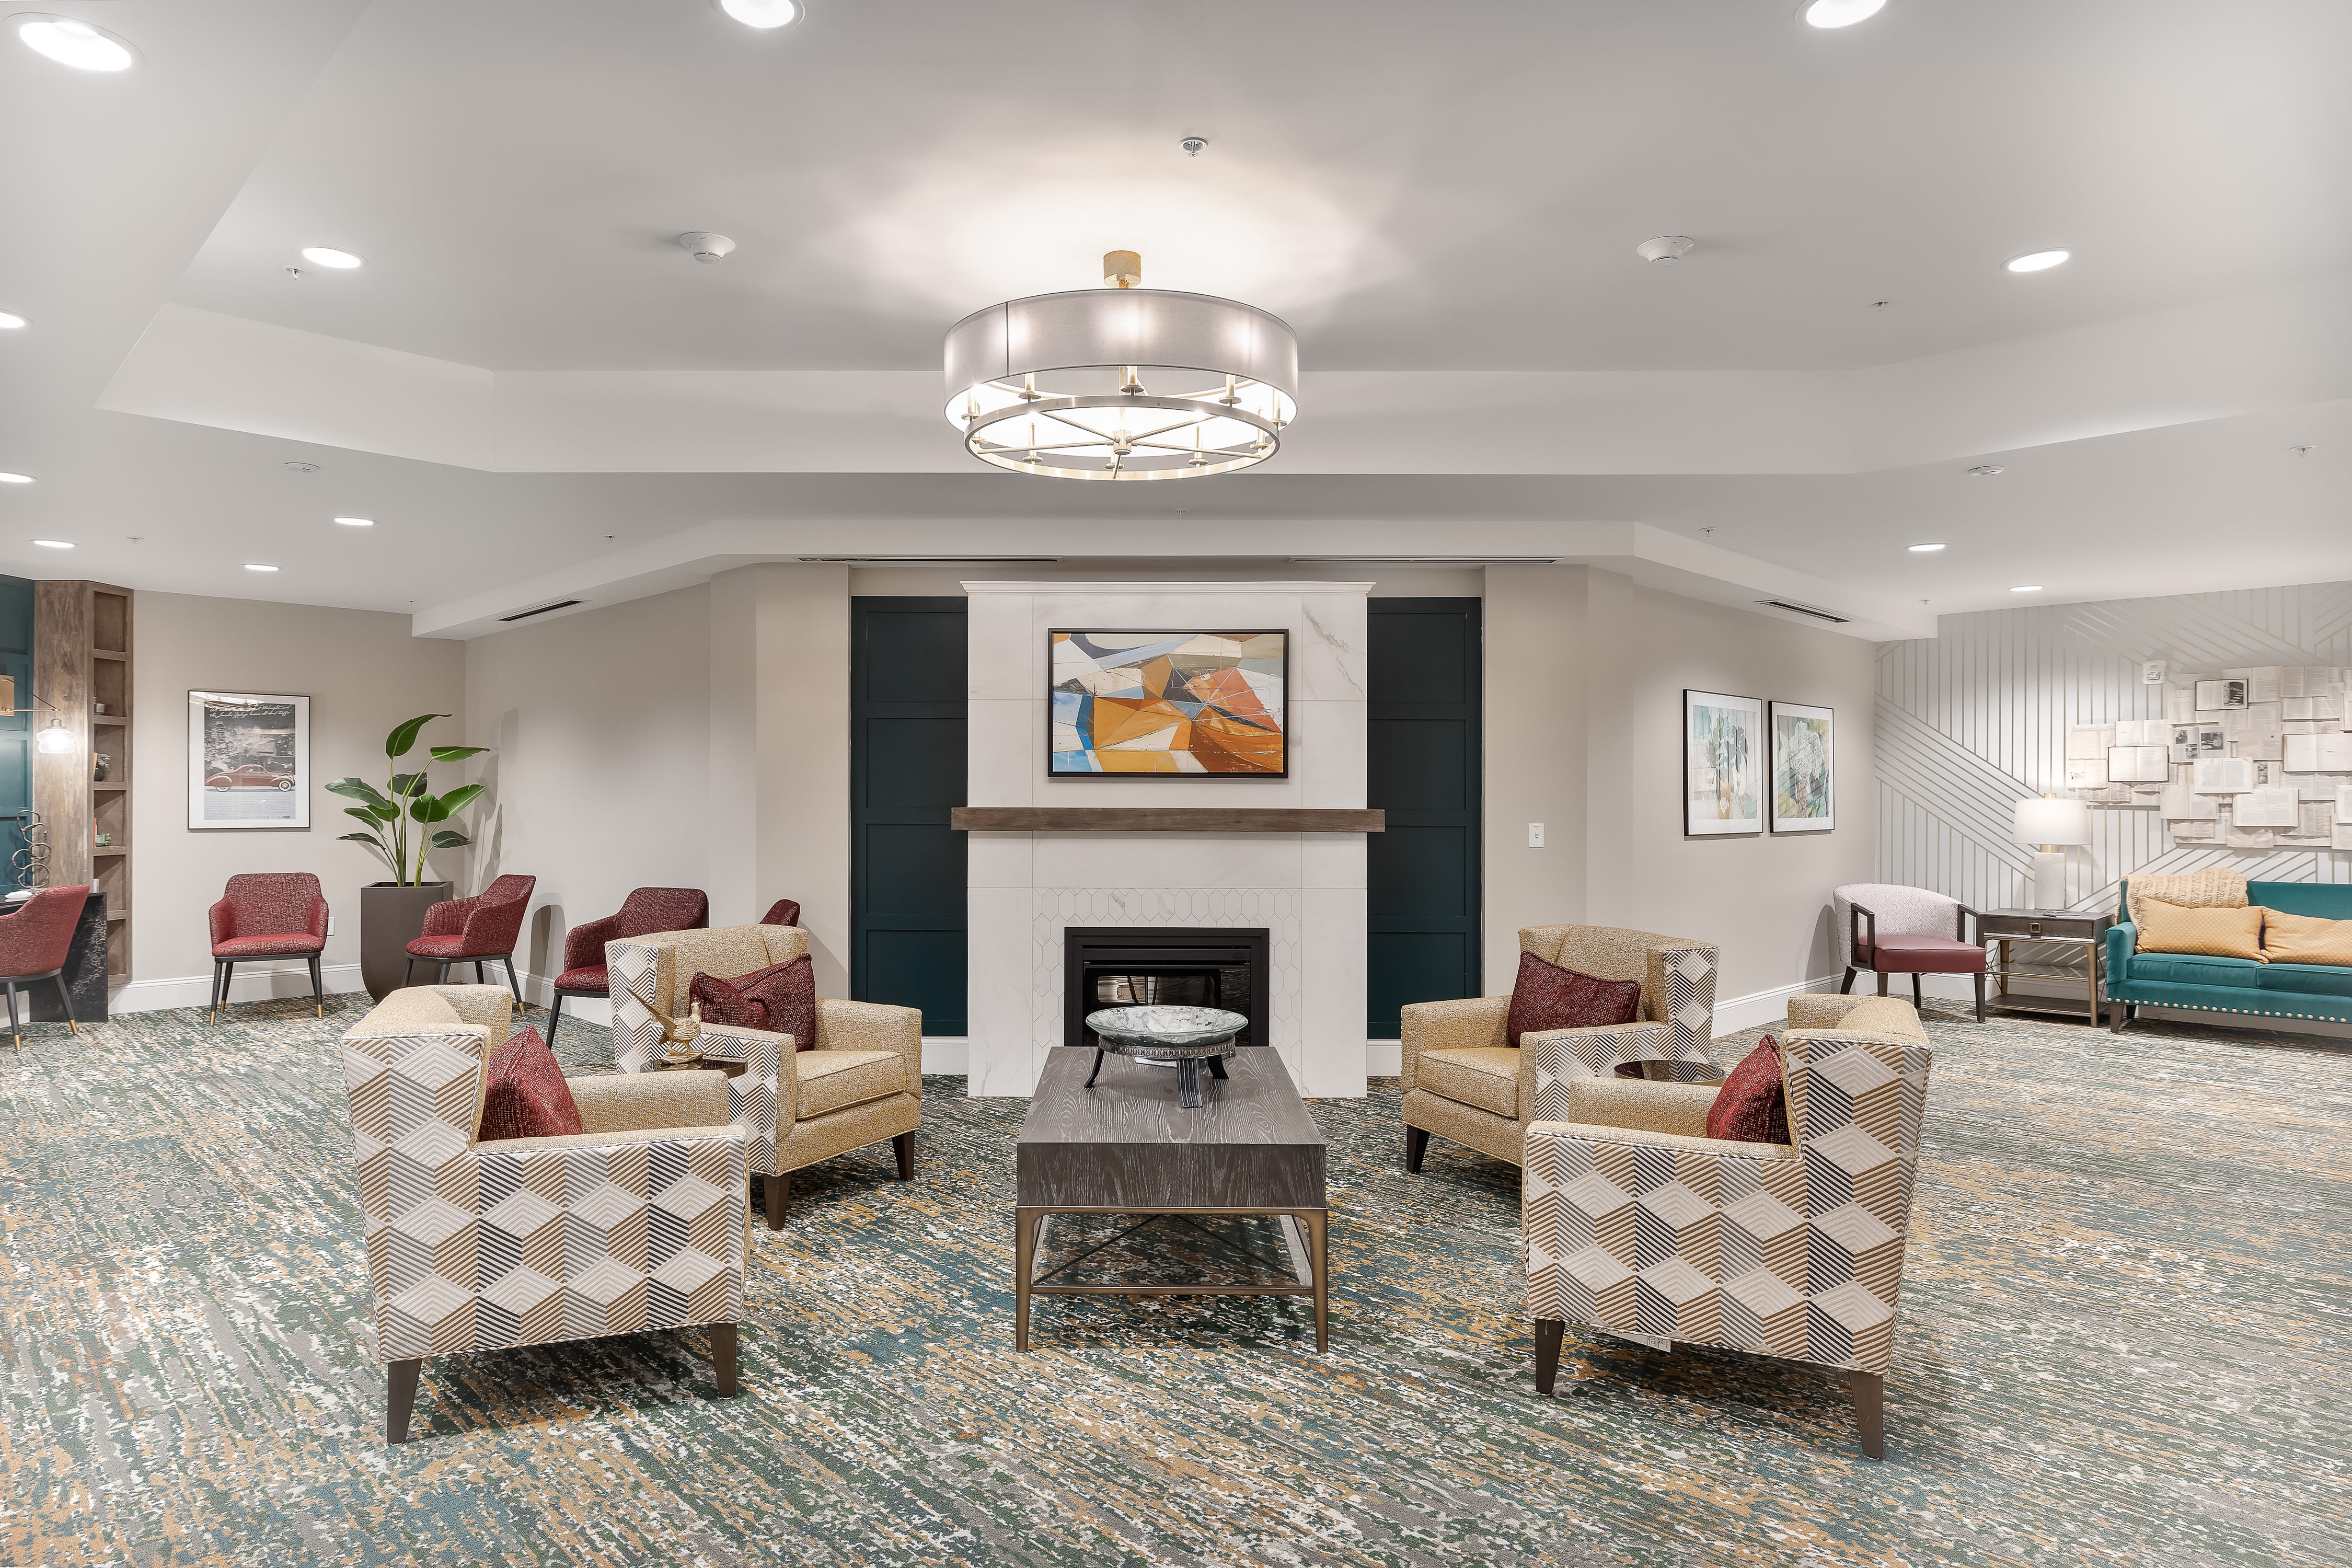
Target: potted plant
392, 914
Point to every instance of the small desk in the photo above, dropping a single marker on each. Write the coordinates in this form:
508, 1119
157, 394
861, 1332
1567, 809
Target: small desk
1126, 1147
2065, 928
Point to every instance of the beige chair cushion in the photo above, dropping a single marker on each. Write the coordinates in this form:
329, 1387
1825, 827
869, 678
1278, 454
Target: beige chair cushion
726, 951
1484, 1075
1881, 1014
830, 1080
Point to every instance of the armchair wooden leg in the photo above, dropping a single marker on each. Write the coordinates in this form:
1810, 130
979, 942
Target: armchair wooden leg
317, 988
775, 1196
1416, 1144
1882, 983
408, 973
1979, 980
554, 1016
15, 1028
514, 983
722, 1357
1845, 986
223, 973
399, 1398
905, 1145
1918, 1001
1548, 1334
65, 1001
1870, 1412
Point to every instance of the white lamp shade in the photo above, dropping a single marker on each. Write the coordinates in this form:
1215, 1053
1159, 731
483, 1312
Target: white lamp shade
2052, 821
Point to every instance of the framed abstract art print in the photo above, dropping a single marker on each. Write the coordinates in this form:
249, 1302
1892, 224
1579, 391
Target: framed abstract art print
1722, 765
1137, 704
1804, 772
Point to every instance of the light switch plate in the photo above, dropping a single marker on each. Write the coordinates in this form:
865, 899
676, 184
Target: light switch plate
1535, 834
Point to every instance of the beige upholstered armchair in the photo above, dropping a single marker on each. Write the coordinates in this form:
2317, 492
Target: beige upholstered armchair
1464, 1080
1634, 1220
862, 1082
637, 1222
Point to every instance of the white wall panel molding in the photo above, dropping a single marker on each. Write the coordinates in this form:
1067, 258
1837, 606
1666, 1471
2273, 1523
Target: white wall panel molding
1976, 718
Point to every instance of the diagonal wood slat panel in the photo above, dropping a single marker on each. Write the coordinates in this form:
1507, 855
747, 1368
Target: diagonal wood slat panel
1973, 720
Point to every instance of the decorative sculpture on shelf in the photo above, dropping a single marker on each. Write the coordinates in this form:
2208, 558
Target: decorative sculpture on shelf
679, 1033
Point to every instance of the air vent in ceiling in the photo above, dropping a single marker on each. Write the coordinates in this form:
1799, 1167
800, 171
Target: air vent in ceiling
928, 560
1424, 560
1805, 610
559, 604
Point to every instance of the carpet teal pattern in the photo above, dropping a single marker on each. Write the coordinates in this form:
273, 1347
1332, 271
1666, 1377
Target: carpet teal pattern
2123, 1342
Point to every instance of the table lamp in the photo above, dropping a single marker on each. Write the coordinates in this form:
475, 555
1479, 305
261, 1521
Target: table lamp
2054, 823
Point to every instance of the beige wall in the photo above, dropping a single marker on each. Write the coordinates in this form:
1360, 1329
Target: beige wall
363, 673
1585, 674
600, 779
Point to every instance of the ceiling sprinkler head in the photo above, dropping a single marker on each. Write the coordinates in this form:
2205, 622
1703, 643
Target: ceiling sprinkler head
708, 248
1194, 145
293, 272
1986, 470
1666, 249
301, 468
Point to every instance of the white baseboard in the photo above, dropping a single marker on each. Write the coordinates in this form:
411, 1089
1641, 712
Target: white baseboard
947, 1054
246, 986
1760, 1007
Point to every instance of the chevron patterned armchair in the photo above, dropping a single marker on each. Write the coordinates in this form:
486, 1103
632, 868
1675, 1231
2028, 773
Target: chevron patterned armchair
637, 1222
1464, 1080
860, 1082
1633, 1220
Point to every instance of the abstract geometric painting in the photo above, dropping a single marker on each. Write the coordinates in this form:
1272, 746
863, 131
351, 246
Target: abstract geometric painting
1804, 781
1130, 703
1723, 765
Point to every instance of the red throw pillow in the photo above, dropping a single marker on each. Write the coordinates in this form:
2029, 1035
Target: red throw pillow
789, 990
1546, 997
1750, 1107
781, 998
527, 1096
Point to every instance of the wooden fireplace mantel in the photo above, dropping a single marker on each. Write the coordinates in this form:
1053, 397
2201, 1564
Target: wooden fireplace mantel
1161, 819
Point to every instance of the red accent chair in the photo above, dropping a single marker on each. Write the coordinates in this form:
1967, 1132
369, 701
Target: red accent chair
645, 911
782, 912
33, 945
268, 914
467, 931
1894, 929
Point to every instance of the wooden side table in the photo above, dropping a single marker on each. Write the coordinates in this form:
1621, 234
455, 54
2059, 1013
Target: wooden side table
2064, 928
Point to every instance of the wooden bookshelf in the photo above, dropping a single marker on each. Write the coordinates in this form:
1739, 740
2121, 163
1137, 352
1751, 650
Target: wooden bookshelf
81, 659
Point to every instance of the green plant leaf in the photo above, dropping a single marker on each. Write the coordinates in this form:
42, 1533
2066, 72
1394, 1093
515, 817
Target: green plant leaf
358, 789
446, 839
404, 785
456, 753
403, 736
442, 807
370, 814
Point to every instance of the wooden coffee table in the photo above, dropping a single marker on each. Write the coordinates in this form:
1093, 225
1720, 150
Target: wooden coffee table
1126, 1147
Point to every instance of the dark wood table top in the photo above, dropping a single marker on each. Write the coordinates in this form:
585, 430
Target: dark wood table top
1126, 1140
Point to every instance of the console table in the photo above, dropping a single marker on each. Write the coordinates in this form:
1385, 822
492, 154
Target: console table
2064, 928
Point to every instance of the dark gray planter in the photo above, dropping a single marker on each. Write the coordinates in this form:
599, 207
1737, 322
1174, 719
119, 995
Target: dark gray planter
391, 917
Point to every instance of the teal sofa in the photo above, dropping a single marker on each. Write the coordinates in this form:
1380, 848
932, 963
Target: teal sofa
2136, 980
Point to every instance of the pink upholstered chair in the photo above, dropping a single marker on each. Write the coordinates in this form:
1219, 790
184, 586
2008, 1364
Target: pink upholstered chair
33, 945
268, 914
467, 931
1890, 929
645, 911
782, 912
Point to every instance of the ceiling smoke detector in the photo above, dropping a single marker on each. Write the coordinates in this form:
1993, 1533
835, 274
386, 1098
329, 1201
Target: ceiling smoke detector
707, 248
1666, 249
1194, 145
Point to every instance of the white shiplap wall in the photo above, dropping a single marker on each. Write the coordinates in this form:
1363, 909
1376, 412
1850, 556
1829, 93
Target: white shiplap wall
1976, 719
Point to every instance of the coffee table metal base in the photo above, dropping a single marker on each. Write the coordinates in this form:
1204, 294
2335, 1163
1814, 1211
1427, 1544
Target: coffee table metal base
1028, 1221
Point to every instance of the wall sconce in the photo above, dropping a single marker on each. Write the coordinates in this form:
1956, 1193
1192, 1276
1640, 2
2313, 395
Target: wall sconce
55, 739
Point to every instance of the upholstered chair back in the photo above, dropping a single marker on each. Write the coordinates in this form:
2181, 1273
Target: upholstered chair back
35, 939
1676, 974
1900, 911
266, 903
663, 908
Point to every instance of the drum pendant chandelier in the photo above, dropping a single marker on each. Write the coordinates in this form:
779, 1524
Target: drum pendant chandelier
1122, 382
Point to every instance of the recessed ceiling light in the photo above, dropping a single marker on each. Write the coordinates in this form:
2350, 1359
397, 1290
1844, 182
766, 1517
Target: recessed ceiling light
16, 478
74, 42
1986, 470
1838, 13
2027, 588
54, 543
257, 567
2039, 261
1924, 549
356, 521
10, 322
762, 14
327, 256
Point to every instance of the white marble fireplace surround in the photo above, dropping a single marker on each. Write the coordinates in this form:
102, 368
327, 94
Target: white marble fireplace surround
1306, 889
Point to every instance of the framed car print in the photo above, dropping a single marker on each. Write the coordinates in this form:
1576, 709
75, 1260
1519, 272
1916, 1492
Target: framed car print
248, 759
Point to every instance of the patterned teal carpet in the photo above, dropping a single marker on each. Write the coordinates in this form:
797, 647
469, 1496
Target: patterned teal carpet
2123, 1342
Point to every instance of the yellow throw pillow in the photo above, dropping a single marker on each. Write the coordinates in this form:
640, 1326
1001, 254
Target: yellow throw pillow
2305, 939
2215, 933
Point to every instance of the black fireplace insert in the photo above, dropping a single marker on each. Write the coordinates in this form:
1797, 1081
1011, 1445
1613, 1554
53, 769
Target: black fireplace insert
1184, 966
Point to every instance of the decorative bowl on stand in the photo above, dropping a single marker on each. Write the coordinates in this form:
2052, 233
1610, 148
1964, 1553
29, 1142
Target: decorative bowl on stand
1180, 1037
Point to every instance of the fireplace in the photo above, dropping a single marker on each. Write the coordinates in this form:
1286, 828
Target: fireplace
1185, 966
